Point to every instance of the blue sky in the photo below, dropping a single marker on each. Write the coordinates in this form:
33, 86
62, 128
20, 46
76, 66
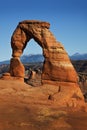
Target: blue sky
68, 19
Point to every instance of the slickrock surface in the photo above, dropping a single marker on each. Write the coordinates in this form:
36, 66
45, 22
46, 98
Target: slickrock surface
23, 107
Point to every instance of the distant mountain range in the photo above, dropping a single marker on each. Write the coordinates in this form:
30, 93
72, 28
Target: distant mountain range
78, 56
27, 59
32, 58
39, 58
5, 62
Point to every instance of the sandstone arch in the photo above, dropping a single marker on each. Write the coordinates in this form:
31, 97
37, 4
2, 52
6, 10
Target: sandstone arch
57, 66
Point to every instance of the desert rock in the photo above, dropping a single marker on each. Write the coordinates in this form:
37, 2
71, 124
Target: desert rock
57, 66
16, 68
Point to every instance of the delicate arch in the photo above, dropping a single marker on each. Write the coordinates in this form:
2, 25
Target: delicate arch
56, 67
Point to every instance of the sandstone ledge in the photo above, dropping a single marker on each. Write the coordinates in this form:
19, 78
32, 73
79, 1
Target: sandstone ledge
37, 22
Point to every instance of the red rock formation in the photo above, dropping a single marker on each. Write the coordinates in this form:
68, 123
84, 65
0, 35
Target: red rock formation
16, 68
57, 66
58, 76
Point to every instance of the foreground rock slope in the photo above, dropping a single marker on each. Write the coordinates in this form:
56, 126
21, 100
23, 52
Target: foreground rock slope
23, 107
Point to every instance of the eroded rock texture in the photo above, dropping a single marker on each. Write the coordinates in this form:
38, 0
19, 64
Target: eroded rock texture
57, 66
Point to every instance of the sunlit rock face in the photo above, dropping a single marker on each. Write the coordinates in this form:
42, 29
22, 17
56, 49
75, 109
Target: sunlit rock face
16, 68
56, 67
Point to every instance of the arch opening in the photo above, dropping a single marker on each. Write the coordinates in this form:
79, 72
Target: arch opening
32, 48
32, 59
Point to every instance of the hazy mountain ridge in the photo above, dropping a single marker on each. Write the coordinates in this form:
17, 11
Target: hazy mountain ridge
5, 62
32, 58
40, 58
78, 56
